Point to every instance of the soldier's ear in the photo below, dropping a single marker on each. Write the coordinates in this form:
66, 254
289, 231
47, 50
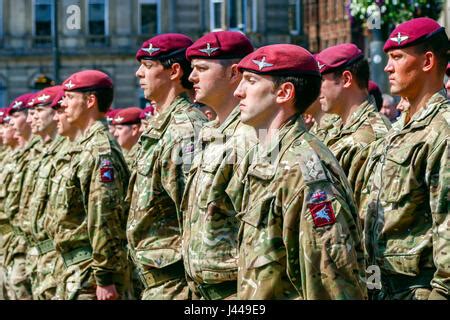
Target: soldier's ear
176, 71
285, 92
347, 78
235, 75
429, 61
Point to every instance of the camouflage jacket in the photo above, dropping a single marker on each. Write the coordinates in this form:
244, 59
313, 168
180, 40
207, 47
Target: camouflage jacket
6, 172
25, 162
300, 237
210, 225
40, 194
91, 207
327, 127
165, 155
130, 156
405, 197
364, 126
60, 168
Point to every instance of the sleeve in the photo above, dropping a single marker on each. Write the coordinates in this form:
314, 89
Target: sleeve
438, 178
323, 244
175, 162
106, 205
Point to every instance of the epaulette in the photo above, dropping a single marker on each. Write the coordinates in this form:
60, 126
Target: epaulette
310, 164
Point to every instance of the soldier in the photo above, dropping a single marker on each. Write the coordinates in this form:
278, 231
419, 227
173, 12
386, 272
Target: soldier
91, 209
299, 237
6, 171
210, 229
323, 124
127, 123
158, 180
145, 116
406, 195
109, 119
60, 167
344, 91
41, 257
19, 285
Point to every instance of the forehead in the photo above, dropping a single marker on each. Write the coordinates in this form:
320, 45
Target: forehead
206, 62
41, 109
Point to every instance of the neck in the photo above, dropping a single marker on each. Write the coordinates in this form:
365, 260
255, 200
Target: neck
224, 110
352, 104
267, 133
87, 124
165, 101
48, 136
420, 99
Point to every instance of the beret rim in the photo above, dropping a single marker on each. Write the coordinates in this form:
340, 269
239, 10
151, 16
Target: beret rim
416, 41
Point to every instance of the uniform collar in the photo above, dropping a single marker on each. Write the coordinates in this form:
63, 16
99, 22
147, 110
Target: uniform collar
425, 114
99, 125
161, 121
360, 115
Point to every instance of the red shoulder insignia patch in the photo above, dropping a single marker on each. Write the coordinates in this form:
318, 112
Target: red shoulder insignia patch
322, 213
107, 174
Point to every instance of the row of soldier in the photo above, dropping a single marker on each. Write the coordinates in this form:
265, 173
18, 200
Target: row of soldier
296, 188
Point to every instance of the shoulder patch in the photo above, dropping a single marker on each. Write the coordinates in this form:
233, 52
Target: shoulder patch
106, 170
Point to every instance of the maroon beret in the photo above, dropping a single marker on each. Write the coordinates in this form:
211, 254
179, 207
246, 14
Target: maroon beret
412, 32
111, 114
148, 111
447, 71
163, 46
220, 45
280, 59
49, 97
87, 80
128, 116
21, 102
4, 114
339, 56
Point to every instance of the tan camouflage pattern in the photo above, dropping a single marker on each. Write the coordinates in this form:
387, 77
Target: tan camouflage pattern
7, 167
283, 255
210, 230
328, 126
166, 152
130, 156
92, 213
17, 275
364, 126
405, 197
41, 269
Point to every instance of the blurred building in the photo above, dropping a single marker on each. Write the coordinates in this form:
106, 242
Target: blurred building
105, 34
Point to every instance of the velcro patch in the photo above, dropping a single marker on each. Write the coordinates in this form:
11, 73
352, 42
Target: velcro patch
322, 213
107, 174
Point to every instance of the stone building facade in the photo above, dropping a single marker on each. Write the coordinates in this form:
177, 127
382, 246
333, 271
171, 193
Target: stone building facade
105, 34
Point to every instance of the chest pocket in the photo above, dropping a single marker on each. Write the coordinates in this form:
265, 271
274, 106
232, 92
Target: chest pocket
400, 172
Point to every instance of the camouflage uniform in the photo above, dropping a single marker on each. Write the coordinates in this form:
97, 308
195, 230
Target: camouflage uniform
156, 188
405, 201
90, 211
16, 209
7, 167
364, 126
38, 203
130, 156
52, 260
327, 127
300, 237
210, 226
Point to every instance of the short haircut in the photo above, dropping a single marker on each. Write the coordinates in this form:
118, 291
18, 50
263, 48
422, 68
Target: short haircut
438, 44
179, 58
360, 71
104, 96
307, 89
